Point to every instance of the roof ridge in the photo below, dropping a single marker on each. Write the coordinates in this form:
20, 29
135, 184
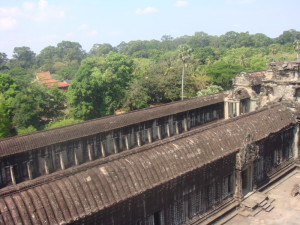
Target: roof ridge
113, 116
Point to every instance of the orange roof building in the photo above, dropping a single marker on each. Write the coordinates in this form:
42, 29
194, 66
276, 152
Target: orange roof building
46, 79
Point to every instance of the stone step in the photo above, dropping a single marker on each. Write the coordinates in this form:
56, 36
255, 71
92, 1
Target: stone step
256, 211
269, 209
263, 203
266, 205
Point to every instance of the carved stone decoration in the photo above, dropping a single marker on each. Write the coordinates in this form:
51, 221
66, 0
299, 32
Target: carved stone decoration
247, 154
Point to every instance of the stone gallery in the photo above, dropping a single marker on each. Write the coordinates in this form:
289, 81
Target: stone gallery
186, 162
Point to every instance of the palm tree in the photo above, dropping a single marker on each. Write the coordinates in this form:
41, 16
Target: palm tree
297, 47
184, 55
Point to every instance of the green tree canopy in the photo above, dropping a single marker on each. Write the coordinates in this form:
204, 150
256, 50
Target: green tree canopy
99, 86
23, 57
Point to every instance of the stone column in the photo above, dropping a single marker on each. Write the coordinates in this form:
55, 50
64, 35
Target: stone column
159, 132
61, 160
115, 145
90, 152
238, 193
149, 134
76, 158
226, 114
176, 127
46, 166
296, 143
238, 108
138, 138
12, 175
103, 150
168, 130
126, 141
185, 124
29, 170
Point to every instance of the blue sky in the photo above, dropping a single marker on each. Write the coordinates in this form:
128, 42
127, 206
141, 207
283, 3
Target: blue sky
40, 23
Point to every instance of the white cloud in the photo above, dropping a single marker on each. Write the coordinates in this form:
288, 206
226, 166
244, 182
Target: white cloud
8, 23
147, 10
38, 12
93, 32
181, 3
69, 35
115, 33
240, 2
10, 12
49, 37
83, 27
43, 4
29, 5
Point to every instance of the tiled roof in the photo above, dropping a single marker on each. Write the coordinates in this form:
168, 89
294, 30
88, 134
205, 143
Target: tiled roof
48, 137
43, 76
72, 194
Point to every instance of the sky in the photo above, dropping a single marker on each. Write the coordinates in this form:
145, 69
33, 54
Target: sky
40, 23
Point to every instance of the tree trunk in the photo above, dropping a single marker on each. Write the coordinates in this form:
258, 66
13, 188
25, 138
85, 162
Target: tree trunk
182, 79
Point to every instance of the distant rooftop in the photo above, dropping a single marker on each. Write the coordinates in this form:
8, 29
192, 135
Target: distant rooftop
46, 79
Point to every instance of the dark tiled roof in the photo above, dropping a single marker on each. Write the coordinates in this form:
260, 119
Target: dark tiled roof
45, 138
72, 194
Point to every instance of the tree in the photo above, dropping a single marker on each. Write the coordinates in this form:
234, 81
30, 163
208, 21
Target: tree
47, 57
21, 76
288, 36
70, 52
3, 61
167, 42
101, 49
36, 105
210, 90
222, 73
99, 86
260, 40
184, 55
8, 89
297, 47
198, 40
66, 73
205, 55
5, 120
229, 39
25, 111
23, 57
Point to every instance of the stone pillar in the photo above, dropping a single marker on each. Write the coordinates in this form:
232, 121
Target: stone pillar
176, 127
138, 138
238, 193
29, 170
76, 158
226, 113
159, 132
115, 145
149, 134
238, 108
61, 160
90, 152
168, 130
185, 125
126, 142
46, 166
296, 143
12, 175
103, 150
